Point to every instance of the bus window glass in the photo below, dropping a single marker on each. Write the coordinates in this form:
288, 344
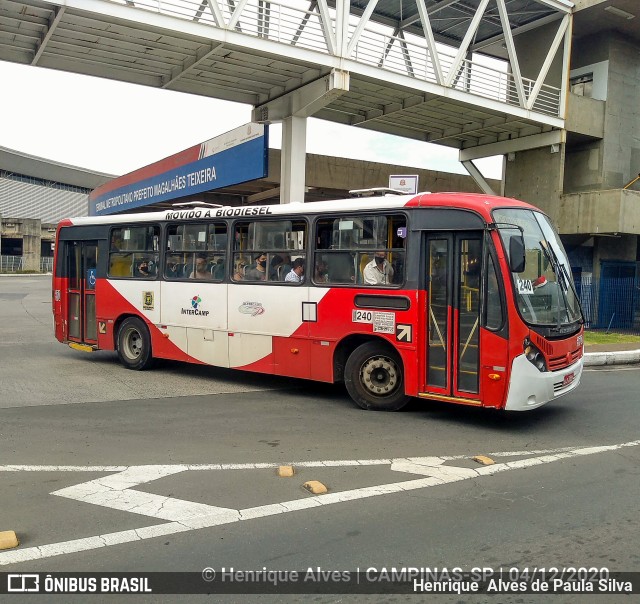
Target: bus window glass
133, 252
366, 250
196, 251
494, 313
544, 289
74, 269
266, 251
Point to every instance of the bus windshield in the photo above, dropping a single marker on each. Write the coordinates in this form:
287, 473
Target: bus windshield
544, 290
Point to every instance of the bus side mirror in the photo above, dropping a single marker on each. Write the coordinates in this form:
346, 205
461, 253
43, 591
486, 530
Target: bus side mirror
516, 253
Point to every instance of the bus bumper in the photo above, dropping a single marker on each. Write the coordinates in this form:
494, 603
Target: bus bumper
530, 389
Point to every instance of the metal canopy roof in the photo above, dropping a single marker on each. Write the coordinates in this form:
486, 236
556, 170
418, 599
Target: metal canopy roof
265, 50
17, 162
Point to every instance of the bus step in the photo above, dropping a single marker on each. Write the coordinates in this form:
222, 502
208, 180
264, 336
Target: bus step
82, 347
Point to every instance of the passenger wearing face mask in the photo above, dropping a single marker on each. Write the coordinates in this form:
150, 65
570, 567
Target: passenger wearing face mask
259, 271
378, 271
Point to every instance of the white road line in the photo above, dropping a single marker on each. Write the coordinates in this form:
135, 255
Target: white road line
260, 466
115, 492
632, 368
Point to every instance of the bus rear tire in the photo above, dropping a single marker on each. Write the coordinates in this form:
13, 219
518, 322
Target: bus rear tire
374, 378
134, 344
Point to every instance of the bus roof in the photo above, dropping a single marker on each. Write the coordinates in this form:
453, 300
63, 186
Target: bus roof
480, 203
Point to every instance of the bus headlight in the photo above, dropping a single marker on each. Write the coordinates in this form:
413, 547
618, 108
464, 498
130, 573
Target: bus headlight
534, 356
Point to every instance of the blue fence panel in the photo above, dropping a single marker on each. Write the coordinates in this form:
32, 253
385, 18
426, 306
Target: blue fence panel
610, 304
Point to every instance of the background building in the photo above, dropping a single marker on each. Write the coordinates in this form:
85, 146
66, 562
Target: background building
587, 184
35, 194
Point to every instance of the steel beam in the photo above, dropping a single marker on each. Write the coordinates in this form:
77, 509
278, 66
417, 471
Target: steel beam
477, 176
47, 37
304, 101
535, 141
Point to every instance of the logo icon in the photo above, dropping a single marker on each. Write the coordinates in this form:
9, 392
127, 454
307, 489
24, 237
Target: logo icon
23, 583
196, 302
147, 300
251, 308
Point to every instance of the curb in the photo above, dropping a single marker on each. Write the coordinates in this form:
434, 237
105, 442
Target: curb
599, 359
25, 274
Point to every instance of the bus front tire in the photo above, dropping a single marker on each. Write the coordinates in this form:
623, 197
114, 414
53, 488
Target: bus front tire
134, 344
374, 378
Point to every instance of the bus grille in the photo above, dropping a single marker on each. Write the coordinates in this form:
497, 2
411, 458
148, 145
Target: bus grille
557, 363
542, 344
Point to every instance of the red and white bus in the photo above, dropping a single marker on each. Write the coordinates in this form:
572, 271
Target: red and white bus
462, 298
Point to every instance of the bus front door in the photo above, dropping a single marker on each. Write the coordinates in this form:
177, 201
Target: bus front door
81, 262
453, 316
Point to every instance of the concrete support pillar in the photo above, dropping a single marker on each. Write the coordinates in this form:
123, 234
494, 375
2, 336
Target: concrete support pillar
31, 236
293, 109
293, 159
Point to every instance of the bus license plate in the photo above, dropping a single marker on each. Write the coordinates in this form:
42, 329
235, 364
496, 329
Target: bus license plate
568, 378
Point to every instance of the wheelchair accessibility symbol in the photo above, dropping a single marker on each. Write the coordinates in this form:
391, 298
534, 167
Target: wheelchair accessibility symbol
91, 278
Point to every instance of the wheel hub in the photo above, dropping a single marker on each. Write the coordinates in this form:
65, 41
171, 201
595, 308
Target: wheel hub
133, 344
380, 375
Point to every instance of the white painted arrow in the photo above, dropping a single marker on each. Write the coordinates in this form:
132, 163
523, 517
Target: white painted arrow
116, 491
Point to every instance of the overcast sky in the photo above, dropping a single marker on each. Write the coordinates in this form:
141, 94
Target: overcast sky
113, 127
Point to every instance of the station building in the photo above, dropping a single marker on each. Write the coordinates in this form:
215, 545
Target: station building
36, 193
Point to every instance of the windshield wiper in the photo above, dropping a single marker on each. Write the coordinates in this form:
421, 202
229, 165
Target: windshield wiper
561, 274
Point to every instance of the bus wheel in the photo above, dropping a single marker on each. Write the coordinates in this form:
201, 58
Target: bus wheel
373, 377
134, 344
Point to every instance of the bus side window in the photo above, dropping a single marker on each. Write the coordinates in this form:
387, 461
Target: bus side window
133, 252
186, 243
494, 314
340, 266
277, 243
120, 264
347, 245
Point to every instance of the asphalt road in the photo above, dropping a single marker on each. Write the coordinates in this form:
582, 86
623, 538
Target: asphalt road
162, 450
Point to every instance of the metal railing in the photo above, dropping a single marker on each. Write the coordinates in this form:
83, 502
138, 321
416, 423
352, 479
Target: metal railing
46, 264
408, 55
11, 264
612, 305
16, 264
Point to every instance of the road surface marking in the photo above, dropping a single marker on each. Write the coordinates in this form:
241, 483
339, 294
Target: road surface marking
115, 491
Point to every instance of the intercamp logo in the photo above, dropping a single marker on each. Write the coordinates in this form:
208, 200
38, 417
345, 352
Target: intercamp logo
196, 301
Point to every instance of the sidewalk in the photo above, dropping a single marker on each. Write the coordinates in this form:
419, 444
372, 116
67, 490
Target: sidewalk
611, 354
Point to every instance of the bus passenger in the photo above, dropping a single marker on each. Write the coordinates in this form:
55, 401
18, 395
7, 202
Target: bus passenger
144, 270
200, 271
259, 271
280, 266
378, 271
296, 274
238, 269
173, 267
321, 274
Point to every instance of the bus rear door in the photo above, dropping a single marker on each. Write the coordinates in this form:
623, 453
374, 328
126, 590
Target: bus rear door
81, 258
